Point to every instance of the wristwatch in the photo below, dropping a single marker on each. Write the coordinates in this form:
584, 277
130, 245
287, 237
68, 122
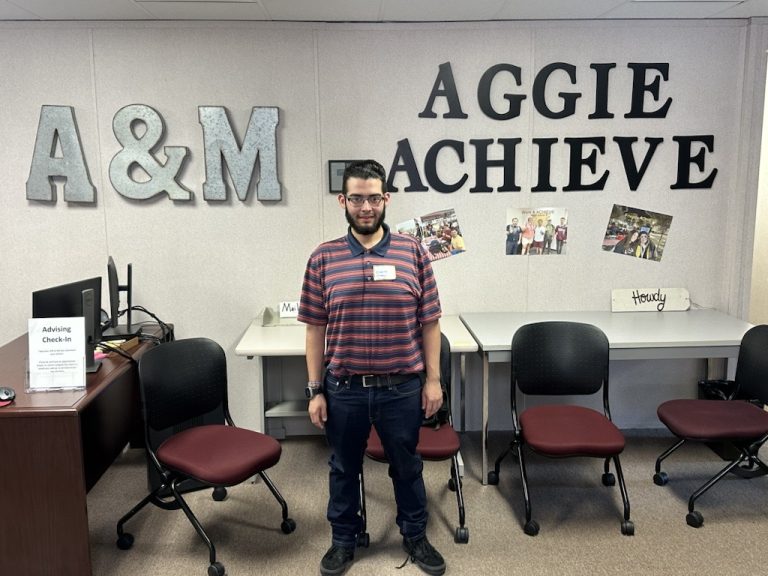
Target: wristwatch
313, 389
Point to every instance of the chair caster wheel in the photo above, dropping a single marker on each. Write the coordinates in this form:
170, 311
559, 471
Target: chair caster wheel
451, 485
219, 493
660, 478
627, 528
462, 535
609, 479
694, 519
288, 526
125, 541
216, 569
531, 528
493, 478
364, 539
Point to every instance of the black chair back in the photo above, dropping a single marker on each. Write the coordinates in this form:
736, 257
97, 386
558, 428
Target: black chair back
183, 384
559, 358
752, 367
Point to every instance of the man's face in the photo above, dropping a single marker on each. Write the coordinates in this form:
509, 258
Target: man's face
365, 218
514, 221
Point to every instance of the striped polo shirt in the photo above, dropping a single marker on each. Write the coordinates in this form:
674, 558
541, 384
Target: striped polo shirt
372, 301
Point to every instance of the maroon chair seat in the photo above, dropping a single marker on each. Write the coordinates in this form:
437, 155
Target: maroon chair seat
434, 444
566, 430
219, 455
712, 420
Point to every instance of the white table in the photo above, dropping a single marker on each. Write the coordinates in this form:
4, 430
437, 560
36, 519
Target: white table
632, 336
262, 342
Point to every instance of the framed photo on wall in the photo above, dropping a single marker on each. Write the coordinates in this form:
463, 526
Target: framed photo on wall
336, 174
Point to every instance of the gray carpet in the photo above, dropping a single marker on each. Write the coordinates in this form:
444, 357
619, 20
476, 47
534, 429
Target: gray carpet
579, 518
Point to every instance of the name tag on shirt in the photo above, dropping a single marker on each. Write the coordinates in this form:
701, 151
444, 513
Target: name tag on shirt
383, 272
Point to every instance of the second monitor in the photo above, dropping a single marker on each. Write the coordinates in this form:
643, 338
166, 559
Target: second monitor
113, 330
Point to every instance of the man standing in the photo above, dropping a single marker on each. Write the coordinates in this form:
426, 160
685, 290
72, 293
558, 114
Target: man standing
513, 237
371, 306
561, 235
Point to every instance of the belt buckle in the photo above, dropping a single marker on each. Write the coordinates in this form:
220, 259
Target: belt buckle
374, 380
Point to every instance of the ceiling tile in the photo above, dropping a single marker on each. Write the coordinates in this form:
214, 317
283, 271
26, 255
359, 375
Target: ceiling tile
9, 11
556, 9
325, 10
210, 10
437, 10
85, 9
668, 9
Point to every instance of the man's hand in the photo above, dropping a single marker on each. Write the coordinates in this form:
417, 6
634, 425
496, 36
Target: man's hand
431, 397
318, 411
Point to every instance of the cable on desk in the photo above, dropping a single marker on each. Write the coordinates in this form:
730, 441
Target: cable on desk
167, 330
120, 351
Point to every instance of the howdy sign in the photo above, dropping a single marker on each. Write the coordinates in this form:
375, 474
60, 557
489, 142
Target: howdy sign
650, 299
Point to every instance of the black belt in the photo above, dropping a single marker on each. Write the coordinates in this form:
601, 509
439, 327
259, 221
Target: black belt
376, 380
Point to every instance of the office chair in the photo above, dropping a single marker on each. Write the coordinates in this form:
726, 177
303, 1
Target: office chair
437, 441
738, 422
562, 359
190, 437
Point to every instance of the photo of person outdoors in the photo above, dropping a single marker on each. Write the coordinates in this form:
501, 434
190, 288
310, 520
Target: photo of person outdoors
439, 233
636, 232
531, 231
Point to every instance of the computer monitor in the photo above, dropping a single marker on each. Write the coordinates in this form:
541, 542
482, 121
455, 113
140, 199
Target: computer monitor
113, 330
82, 298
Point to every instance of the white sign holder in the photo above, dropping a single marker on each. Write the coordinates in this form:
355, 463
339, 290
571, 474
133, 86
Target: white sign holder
56, 354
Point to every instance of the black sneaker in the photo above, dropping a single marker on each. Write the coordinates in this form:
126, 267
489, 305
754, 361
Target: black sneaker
425, 556
336, 560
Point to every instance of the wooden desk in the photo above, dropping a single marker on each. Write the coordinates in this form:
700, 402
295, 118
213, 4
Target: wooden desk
632, 336
55, 447
262, 342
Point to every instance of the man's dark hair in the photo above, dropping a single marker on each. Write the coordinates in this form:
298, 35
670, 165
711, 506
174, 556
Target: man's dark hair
366, 170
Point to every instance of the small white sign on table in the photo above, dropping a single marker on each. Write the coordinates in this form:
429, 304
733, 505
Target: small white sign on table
56, 354
650, 300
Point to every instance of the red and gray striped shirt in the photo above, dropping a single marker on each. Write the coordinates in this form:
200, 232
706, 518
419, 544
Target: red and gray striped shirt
372, 301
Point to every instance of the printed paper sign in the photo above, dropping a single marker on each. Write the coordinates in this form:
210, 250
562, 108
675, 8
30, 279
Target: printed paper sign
56, 353
289, 309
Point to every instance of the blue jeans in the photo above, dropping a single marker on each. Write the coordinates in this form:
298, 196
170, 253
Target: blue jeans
397, 415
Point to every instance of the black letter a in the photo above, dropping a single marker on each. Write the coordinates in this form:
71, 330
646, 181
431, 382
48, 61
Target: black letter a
444, 79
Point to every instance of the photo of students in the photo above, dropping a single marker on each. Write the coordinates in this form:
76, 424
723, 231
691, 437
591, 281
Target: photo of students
439, 233
531, 231
636, 232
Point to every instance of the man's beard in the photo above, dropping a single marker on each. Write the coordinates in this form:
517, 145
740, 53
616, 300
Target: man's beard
365, 230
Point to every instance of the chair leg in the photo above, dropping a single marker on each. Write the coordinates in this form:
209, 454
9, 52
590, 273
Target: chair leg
195, 522
287, 525
493, 475
531, 527
125, 540
661, 478
627, 527
363, 538
694, 518
462, 533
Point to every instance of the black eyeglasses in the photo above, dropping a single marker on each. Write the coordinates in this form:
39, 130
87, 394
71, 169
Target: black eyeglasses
357, 200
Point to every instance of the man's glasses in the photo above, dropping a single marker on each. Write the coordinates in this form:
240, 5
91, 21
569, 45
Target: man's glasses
357, 200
